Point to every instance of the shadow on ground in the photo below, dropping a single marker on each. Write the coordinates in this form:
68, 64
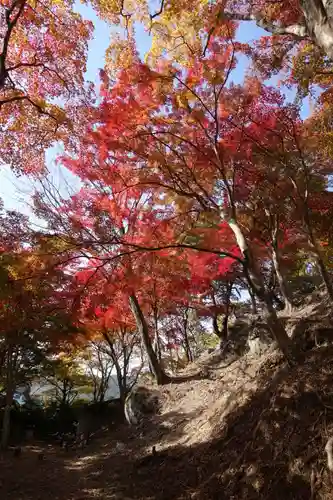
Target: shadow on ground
270, 448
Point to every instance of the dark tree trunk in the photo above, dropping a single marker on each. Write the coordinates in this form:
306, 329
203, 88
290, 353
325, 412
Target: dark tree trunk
186, 345
277, 301
121, 377
141, 323
187, 348
5, 433
253, 301
216, 328
227, 312
157, 337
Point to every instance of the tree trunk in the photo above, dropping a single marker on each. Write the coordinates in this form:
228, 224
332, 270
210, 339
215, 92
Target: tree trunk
319, 23
6, 421
227, 312
186, 345
316, 253
5, 433
324, 274
221, 333
141, 323
120, 379
277, 301
288, 305
187, 348
225, 327
278, 331
216, 327
157, 338
274, 229
256, 282
253, 301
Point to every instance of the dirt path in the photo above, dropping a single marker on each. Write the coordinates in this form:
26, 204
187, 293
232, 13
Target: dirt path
256, 431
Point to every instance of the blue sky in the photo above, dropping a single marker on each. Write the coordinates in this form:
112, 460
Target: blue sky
16, 191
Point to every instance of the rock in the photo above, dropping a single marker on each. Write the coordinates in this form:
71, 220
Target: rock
259, 340
140, 403
120, 446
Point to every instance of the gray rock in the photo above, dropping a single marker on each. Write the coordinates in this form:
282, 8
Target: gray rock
259, 340
140, 403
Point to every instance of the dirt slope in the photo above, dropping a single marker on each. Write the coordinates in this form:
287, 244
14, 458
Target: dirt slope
253, 428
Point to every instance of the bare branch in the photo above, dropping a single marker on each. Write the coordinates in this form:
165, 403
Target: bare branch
158, 12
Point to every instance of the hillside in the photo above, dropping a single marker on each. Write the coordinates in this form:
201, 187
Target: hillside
242, 427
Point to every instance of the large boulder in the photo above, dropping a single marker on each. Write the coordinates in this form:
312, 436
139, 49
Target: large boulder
140, 404
259, 340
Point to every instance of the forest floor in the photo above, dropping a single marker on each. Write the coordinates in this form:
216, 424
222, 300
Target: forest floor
254, 429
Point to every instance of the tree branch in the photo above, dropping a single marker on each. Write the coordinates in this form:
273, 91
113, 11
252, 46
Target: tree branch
297, 30
10, 26
34, 104
158, 12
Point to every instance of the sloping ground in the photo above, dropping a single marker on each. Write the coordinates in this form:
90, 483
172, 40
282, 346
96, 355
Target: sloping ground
193, 409
254, 429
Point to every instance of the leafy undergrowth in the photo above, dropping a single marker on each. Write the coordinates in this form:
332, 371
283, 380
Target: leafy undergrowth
255, 429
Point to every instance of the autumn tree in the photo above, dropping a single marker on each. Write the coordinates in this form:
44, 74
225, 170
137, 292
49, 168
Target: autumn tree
298, 38
193, 128
116, 275
99, 367
43, 49
34, 306
179, 160
112, 331
65, 376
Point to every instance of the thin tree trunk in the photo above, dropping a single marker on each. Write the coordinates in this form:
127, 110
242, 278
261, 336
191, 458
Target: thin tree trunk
222, 334
157, 338
301, 202
188, 351
187, 346
141, 323
227, 312
323, 271
5, 434
6, 421
316, 252
253, 301
225, 327
274, 226
257, 284
120, 379
115, 360
216, 326
282, 283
